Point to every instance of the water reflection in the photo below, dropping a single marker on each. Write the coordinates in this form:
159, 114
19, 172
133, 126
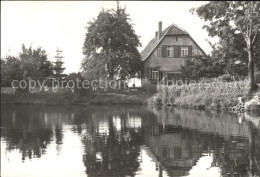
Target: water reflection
127, 141
112, 144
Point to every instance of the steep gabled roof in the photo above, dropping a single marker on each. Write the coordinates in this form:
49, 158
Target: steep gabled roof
174, 30
171, 30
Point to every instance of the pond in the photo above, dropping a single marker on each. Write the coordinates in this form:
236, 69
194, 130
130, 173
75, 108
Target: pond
75, 141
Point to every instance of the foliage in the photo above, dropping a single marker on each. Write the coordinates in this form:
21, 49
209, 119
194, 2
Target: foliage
34, 63
110, 46
58, 68
76, 80
232, 51
150, 88
231, 20
214, 95
30, 64
202, 66
10, 70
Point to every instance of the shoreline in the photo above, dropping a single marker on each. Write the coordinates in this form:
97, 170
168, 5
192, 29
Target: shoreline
105, 99
75, 99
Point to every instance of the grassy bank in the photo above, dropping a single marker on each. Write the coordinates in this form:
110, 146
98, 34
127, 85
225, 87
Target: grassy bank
74, 98
119, 99
44, 98
217, 96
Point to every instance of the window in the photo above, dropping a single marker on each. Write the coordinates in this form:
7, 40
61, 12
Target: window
159, 52
170, 51
155, 74
195, 52
176, 38
184, 51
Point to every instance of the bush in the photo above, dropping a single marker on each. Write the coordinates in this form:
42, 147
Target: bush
150, 88
226, 77
155, 100
217, 95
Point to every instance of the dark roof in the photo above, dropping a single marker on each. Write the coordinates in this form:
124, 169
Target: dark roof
173, 29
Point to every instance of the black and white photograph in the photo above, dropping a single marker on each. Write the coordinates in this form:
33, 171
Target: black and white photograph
130, 89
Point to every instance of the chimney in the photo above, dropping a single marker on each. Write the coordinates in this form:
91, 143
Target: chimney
159, 30
156, 33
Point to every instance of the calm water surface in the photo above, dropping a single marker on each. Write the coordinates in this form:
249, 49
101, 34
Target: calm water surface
75, 141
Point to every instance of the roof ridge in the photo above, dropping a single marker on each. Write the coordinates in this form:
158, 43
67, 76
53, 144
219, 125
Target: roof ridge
169, 27
179, 27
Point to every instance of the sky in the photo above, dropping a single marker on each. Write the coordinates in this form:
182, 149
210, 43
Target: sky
62, 24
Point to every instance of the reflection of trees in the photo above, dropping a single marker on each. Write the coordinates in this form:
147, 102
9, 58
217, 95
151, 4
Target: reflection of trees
224, 124
58, 136
112, 136
112, 145
25, 131
30, 129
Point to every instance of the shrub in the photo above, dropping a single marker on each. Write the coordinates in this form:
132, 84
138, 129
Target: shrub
226, 77
214, 95
150, 88
155, 100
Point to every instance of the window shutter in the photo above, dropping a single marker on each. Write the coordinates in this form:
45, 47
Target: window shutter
178, 51
175, 51
164, 51
189, 50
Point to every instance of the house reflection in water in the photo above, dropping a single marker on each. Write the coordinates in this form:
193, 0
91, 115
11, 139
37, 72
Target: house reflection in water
132, 141
178, 147
175, 150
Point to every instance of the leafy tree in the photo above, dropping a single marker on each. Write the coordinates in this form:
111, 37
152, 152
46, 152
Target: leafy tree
207, 66
110, 46
10, 70
232, 51
76, 80
34, 63
238, 18
58, 66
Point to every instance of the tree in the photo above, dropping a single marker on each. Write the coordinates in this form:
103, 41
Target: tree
232, 51
239, 18
58, 66
207, 66
76, 80
34, 63
10, 70
110, 46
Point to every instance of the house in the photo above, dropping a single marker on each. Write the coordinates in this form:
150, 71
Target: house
164, 55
